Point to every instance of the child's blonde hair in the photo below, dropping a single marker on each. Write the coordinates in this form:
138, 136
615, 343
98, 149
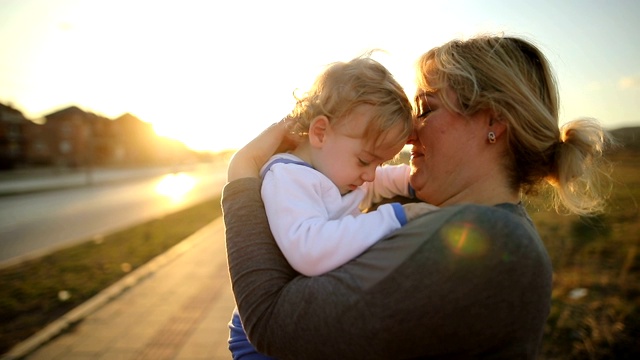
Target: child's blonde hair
343, 86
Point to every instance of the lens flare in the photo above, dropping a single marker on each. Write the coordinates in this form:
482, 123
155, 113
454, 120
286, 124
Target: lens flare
465, 239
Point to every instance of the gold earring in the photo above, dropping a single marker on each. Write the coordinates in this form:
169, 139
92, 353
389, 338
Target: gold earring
492, 137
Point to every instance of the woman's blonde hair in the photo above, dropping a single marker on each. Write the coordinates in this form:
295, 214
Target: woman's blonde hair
343, 86
512, 79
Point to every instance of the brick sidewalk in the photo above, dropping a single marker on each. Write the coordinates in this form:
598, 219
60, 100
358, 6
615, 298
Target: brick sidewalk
177, 309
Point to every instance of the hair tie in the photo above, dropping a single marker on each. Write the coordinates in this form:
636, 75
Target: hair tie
553, 150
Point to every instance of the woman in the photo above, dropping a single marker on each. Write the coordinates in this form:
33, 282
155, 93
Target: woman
472, 280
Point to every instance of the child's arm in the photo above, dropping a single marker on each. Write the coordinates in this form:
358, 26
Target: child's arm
296, 202
390, 181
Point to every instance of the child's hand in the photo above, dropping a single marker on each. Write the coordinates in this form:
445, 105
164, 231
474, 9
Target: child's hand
247, 161
413, 210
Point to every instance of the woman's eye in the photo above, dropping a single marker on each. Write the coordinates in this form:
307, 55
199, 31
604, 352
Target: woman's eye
424, 108
424, 114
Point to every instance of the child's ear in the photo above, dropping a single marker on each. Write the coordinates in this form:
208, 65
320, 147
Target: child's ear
318, 130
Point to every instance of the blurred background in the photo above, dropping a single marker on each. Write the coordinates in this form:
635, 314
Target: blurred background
119, 114
214, 73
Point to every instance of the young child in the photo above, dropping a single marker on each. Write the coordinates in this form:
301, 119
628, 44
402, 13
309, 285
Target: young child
354, 118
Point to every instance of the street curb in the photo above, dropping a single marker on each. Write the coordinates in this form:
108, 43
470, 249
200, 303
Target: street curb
83, 310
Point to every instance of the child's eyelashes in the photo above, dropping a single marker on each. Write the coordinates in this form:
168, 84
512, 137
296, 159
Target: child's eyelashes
363, 162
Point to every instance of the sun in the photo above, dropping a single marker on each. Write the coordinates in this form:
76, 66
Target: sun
206, 132
191, 135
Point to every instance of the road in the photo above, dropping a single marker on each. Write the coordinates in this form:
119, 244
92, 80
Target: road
37, 223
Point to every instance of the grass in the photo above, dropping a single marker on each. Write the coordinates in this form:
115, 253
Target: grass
595, 310
37, 292
596, 295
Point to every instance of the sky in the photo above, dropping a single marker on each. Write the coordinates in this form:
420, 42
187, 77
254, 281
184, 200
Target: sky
213, 74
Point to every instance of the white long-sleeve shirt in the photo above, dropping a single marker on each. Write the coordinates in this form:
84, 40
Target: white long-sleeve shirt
317, 228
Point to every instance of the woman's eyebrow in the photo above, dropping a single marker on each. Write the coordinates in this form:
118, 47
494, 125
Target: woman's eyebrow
424, 95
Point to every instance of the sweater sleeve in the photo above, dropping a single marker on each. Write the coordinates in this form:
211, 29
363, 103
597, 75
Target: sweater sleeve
257, 267
391, 181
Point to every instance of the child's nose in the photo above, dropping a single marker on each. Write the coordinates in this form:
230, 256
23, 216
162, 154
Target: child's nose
369, 174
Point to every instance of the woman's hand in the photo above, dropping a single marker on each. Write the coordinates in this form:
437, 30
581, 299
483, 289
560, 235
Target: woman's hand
248, 161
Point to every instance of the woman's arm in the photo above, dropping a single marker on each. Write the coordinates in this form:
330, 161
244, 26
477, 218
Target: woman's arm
257, 267
412, 296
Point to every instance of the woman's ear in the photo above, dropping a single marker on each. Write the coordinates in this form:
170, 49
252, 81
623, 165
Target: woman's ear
318, 131
497, 126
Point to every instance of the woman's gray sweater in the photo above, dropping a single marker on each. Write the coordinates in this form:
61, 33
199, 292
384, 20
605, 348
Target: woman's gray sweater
466, 281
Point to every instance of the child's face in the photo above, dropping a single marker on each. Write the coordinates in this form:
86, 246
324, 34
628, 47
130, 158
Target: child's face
348, 159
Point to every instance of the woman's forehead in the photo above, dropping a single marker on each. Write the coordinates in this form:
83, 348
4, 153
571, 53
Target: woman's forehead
427, 74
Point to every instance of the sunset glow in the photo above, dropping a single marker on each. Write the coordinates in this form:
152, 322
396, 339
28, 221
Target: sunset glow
175, 186
215, 74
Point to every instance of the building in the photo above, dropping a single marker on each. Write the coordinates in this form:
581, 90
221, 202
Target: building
72, 137
12, 140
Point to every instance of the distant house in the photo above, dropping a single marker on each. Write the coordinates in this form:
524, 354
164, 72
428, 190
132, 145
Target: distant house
69, 135
137, 141
103, 141
72, 137
37, 145
12, 140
